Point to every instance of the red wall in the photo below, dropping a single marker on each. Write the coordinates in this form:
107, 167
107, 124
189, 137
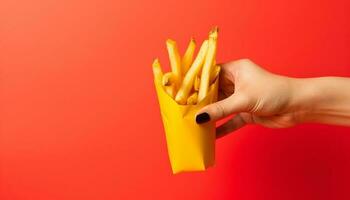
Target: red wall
79, 115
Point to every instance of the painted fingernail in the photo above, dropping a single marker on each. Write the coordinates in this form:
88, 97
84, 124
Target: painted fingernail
202, 118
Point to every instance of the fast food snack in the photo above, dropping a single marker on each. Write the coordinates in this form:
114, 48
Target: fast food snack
191, 85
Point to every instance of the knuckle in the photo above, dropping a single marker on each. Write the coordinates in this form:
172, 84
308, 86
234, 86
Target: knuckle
244, 61
219, 110
243, 100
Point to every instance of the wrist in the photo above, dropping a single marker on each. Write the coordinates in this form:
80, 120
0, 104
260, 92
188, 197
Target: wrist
321, 100
307, 95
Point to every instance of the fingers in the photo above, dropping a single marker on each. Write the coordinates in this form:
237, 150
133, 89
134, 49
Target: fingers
227, 77
231, 125
235, 103
213, 112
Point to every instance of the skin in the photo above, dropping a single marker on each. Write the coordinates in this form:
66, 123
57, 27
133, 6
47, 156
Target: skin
256, 96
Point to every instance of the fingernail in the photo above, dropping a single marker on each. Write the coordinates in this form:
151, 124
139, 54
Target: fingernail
202, 118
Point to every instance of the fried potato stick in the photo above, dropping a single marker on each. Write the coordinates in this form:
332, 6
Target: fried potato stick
208, 64
187, 84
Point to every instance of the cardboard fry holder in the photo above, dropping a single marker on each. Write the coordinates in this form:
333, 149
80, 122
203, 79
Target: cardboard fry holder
191, 147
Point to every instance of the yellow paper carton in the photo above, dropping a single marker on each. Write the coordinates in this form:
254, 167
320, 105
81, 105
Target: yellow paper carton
191, 147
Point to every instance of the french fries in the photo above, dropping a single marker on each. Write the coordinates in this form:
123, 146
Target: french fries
188, 56
196, 83
170, 90
175, 61
187, 83
213, 74
157, 70
168, 79
208, 64
192, 100
190, 79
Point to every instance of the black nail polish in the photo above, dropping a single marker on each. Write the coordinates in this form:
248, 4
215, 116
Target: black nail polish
202, 118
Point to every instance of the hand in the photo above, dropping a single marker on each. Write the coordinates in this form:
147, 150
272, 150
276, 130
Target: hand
254, 95
258, 96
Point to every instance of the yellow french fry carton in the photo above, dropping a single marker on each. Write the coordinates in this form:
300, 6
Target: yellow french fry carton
191, 147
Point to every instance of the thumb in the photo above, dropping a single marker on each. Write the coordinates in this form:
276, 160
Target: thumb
213, 112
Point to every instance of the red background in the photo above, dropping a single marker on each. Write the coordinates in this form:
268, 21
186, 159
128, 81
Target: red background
80, 119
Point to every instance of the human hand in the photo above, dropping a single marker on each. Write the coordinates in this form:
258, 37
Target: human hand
254, 95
